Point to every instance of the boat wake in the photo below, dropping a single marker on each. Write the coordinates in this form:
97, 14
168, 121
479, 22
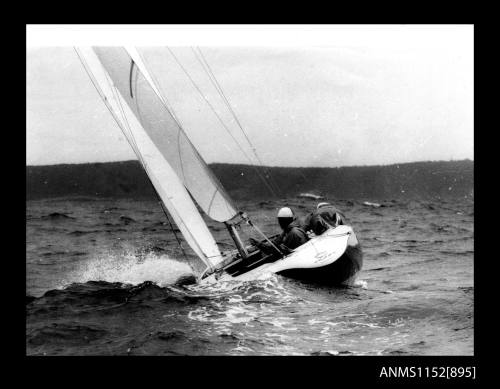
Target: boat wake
268, 286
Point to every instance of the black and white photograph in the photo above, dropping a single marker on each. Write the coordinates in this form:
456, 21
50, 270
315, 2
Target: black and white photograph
250, 190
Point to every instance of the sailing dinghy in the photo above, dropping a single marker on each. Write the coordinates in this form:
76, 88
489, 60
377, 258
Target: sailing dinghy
181, 177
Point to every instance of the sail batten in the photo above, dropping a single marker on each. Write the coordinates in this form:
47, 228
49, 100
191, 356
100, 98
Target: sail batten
170, 187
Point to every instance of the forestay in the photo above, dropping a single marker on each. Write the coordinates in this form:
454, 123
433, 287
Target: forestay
128, 112
136, 87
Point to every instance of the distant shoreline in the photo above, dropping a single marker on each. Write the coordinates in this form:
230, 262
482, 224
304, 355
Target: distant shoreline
126, 179
268, 167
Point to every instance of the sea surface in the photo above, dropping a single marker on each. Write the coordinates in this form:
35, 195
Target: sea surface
107, 277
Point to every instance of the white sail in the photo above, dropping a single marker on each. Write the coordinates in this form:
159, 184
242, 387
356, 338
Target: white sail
163, 176
136, 86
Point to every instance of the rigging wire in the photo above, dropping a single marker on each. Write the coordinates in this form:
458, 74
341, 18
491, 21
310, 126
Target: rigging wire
208, 70
221, 121
101, 94
179, 242
221, 92
207, 101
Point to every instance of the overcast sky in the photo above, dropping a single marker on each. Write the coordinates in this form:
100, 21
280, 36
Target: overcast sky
393, 94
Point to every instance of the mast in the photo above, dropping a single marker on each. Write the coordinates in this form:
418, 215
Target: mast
237, 240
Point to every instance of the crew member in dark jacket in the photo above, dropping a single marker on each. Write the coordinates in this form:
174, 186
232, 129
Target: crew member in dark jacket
293, 234
324, 217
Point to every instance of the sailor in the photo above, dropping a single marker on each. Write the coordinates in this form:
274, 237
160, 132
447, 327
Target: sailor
323, 217
293, 234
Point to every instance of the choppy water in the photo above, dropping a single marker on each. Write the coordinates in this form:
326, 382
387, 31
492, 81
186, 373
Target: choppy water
101, 279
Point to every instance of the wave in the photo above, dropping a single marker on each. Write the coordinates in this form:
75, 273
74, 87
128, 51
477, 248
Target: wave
64, 333
80, 232
56, 216
126, 219
130, 267
94, 296
66, 253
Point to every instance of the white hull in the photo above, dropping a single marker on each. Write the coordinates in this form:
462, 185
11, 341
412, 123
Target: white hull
319, 252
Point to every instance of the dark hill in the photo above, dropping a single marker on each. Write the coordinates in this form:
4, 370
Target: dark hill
416, 180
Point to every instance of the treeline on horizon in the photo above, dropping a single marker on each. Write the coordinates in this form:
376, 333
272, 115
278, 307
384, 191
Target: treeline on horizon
127, 179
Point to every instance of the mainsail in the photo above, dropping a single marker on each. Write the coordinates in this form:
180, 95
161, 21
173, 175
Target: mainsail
170, 160
135, 85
